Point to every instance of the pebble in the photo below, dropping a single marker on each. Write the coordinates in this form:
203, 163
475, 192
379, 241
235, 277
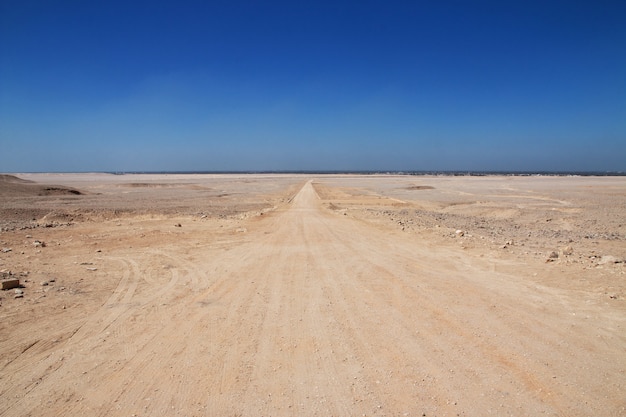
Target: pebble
459, 233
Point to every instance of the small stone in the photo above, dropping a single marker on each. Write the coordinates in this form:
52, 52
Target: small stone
19, 291
44, 283
7, 284
18, 296
39, 244
178, 225
459, 233
553, 255
98, 250
6, 250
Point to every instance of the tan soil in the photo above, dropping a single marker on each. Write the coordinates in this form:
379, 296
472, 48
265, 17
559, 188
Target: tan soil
287, 295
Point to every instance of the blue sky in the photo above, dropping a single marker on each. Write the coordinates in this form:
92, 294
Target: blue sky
324, 85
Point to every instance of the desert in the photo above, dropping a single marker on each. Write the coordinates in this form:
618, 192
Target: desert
312, 295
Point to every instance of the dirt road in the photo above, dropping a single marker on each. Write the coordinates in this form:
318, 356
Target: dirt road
308, 311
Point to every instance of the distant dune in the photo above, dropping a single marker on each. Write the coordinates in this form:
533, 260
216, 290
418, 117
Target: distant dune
13, 186
13, 179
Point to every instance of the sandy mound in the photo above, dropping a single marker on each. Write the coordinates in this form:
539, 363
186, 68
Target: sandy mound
13, 179
12, 186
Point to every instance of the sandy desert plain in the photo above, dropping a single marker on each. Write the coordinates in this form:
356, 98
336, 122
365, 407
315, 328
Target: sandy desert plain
312, 295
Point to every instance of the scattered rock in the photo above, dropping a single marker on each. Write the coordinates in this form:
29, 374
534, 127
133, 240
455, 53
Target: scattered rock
98, 250
6, 250
92, 269
459, 233
39, 244
44, 283
18, 293
567, 250
178, 225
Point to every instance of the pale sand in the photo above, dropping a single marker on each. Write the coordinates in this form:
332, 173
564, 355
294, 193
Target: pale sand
314, 295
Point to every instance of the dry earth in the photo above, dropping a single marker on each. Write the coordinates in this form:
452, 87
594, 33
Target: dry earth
276, 295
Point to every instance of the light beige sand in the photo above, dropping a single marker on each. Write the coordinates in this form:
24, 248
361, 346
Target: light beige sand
259, 295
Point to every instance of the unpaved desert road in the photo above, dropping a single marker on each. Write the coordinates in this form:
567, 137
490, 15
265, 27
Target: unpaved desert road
315, 313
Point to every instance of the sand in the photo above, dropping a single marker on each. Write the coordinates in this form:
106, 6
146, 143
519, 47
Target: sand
327, 295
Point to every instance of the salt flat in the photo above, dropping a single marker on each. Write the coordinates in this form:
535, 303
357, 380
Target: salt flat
253, 295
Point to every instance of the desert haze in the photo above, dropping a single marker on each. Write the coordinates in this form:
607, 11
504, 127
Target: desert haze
312, 295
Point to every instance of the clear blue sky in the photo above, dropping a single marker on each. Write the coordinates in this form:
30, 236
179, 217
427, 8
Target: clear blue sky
339, 85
